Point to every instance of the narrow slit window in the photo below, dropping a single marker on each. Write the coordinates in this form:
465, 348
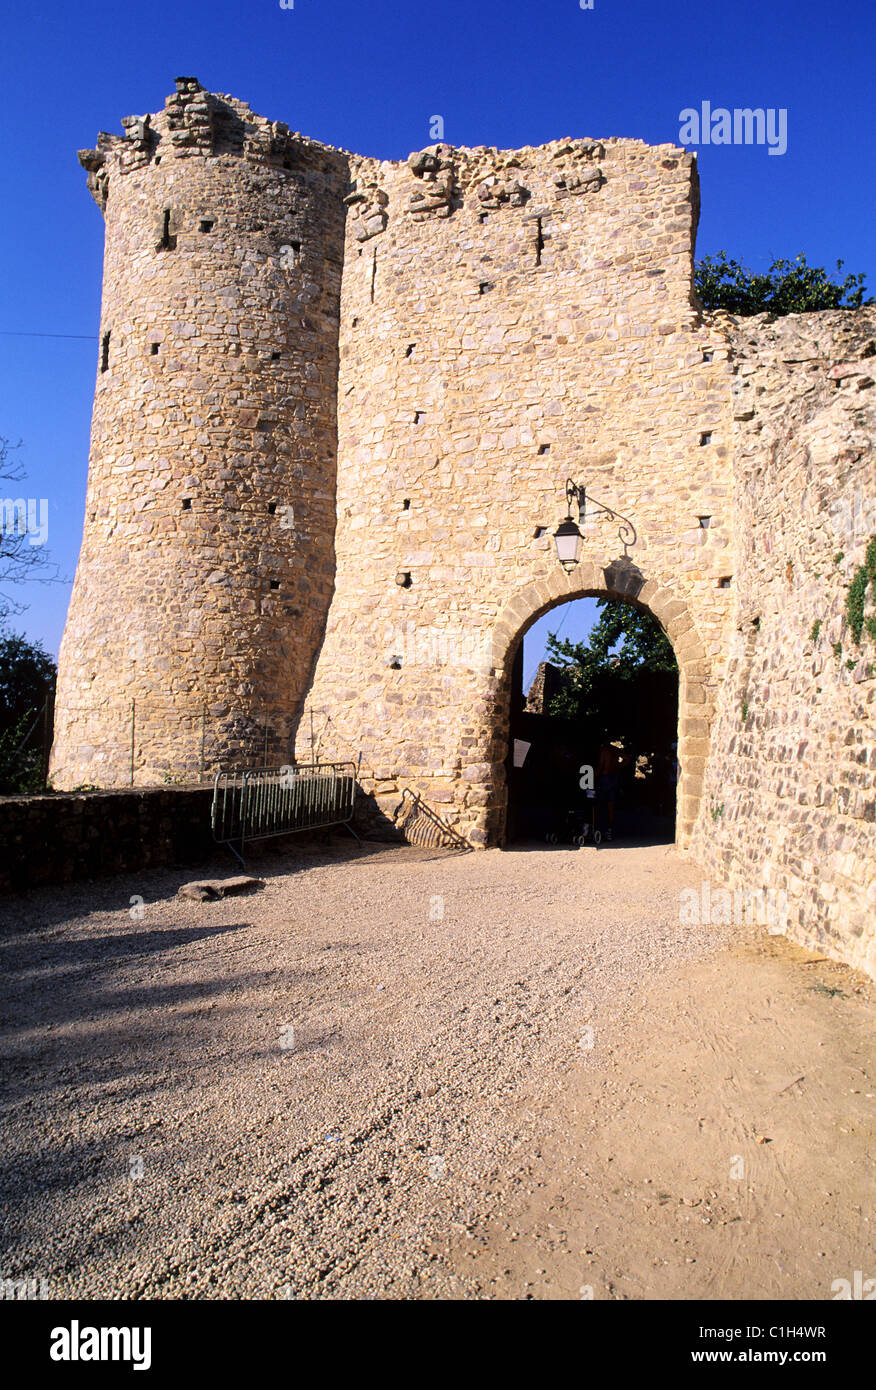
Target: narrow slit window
104, 352
167, 242
539, 240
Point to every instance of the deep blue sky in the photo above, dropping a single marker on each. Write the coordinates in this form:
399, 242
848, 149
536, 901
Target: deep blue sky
368, 75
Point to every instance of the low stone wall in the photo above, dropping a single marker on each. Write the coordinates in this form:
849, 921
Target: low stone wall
83, 835
61, 837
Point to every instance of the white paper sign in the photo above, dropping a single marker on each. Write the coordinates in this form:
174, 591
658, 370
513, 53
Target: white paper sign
520, 751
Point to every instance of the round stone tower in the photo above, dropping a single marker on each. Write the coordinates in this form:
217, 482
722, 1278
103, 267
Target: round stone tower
207, 558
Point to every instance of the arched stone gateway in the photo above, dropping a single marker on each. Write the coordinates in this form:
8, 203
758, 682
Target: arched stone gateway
625, 582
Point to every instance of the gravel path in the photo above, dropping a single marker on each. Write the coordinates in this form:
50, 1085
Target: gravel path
320, 1083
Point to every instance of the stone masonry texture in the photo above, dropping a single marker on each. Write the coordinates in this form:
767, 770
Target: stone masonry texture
337, 403
790, 790
58, 839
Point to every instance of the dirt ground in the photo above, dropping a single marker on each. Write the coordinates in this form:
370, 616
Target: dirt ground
722, 1146
401, 1073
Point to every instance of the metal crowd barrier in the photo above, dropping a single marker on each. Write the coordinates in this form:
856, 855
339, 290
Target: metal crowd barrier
256, 804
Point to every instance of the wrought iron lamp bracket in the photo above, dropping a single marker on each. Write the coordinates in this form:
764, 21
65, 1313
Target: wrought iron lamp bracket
579, 495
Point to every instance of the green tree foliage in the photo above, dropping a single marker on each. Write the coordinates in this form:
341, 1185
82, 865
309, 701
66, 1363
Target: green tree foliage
788, 287
623, 679
27, 675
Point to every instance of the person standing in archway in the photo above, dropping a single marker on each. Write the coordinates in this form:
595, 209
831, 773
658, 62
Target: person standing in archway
607, 778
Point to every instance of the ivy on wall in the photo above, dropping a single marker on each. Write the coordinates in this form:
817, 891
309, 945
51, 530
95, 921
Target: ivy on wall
856, 600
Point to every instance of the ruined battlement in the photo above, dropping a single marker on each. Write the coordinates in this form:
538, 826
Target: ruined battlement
194, 121
436, 181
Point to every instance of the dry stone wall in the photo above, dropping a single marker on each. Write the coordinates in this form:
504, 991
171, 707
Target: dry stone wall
62, 838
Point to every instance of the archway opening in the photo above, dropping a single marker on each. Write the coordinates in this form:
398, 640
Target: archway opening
592, 749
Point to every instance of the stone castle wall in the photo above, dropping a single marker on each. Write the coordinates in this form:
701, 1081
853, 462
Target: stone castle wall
508, 321
790, 793
338, 403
